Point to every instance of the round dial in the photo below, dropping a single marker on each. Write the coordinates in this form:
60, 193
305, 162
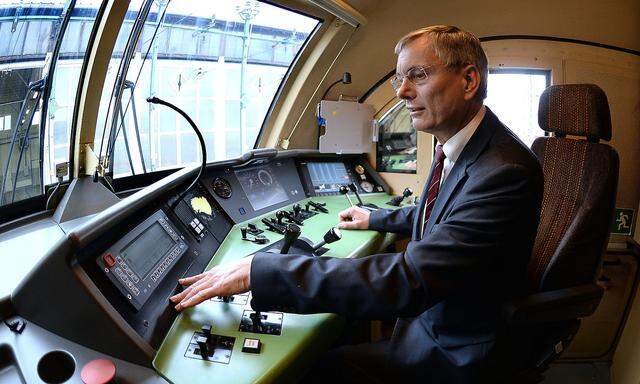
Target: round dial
222, 188
359, 169
366, 186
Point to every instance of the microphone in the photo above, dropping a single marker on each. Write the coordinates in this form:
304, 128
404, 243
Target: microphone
203, 149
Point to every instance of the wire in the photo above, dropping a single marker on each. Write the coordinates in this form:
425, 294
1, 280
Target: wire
46, 206
203, 148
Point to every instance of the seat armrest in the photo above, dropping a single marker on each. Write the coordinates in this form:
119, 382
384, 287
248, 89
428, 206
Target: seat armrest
553, 306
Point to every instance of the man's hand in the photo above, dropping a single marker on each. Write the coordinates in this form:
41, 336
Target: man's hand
225, 280
354, 218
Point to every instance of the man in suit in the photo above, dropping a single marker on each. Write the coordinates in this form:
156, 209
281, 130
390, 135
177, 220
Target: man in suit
471, 236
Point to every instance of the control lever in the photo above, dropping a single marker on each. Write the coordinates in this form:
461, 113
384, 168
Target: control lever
204, 342
318, 206
331, 236
296, 210
345, 191
273, 226
291, 234
292, 218
354, 189
256, 319
280, 215
396, 200
258, 239
370, 207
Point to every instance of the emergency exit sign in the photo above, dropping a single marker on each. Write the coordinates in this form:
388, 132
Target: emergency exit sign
622, 222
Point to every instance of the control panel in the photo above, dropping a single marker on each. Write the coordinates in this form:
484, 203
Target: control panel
138, 262
325, 176
134, 254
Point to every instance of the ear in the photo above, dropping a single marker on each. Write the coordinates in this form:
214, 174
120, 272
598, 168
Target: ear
471, 81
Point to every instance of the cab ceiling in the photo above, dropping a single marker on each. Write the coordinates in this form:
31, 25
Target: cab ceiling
369, 55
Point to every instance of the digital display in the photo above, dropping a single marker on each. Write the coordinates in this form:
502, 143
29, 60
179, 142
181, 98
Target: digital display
328, 177
144, 252
261, 187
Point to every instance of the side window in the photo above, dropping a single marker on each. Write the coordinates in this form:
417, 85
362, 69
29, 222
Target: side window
397, 142
513, 95
41, 54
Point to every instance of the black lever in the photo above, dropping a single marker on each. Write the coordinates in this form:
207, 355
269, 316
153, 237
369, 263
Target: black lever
318, 206
331, 236
280, 215
272, 226
296, 210
345, 191
396, 200
290, 235
354, 189
292, 218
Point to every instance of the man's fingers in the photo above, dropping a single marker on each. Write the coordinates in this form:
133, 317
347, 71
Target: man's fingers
348, 225
189, 290
192, 279
197, 298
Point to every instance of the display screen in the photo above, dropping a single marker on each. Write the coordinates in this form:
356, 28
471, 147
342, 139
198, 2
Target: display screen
261, 187
144, 252
328, 177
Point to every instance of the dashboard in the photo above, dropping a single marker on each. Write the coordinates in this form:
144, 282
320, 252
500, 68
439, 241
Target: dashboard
125, 263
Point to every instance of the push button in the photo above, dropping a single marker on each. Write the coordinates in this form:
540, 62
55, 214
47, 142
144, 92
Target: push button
251, 346
109, 260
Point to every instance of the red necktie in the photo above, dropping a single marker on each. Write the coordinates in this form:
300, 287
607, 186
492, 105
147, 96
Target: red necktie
434, 187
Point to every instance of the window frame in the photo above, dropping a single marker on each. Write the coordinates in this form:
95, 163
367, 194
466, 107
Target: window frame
32, 208
547, 72
178, 132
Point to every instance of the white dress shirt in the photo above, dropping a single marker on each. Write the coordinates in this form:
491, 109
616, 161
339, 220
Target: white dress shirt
454, 146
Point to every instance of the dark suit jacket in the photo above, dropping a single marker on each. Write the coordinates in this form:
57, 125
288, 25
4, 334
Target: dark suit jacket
448, 286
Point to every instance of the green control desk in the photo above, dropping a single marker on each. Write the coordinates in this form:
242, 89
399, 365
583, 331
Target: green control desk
283, 358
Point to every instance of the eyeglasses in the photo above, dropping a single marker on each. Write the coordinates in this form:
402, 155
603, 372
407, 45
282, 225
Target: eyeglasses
416, 75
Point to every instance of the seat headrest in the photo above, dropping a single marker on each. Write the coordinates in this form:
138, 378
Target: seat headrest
575, 109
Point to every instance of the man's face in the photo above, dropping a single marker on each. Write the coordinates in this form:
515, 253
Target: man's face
436, 105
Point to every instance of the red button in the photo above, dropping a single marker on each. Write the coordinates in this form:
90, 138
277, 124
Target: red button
98, 371
109, 260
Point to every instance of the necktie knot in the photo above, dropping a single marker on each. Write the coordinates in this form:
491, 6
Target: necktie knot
439, 153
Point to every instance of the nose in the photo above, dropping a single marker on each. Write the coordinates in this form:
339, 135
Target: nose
406, 90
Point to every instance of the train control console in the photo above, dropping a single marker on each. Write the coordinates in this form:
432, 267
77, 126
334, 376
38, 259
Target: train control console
118, 270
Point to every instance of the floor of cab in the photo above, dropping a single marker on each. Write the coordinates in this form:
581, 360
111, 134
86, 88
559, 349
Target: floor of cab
578, 373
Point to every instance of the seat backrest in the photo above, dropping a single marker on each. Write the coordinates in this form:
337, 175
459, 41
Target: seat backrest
580, 183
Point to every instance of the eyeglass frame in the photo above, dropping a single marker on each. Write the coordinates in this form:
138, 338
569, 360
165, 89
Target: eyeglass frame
397, 79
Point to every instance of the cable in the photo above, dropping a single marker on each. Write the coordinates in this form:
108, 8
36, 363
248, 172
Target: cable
203, 149
46, 206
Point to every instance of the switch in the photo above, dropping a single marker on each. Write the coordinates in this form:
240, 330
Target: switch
109, 261
204, 346
256, 319
243, 230
206, 330
251, 346
296, 210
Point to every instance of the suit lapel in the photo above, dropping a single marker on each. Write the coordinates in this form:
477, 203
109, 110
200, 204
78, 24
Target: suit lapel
469, 154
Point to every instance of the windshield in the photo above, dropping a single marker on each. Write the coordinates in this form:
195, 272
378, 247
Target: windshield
222, 62
43, 44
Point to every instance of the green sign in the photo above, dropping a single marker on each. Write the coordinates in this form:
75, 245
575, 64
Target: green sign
622, 222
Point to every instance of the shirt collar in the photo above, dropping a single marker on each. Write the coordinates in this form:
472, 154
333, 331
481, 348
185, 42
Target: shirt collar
454, 146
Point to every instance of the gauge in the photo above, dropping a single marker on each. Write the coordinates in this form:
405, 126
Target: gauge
359, 169
366, 186
264, 177
222, 188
